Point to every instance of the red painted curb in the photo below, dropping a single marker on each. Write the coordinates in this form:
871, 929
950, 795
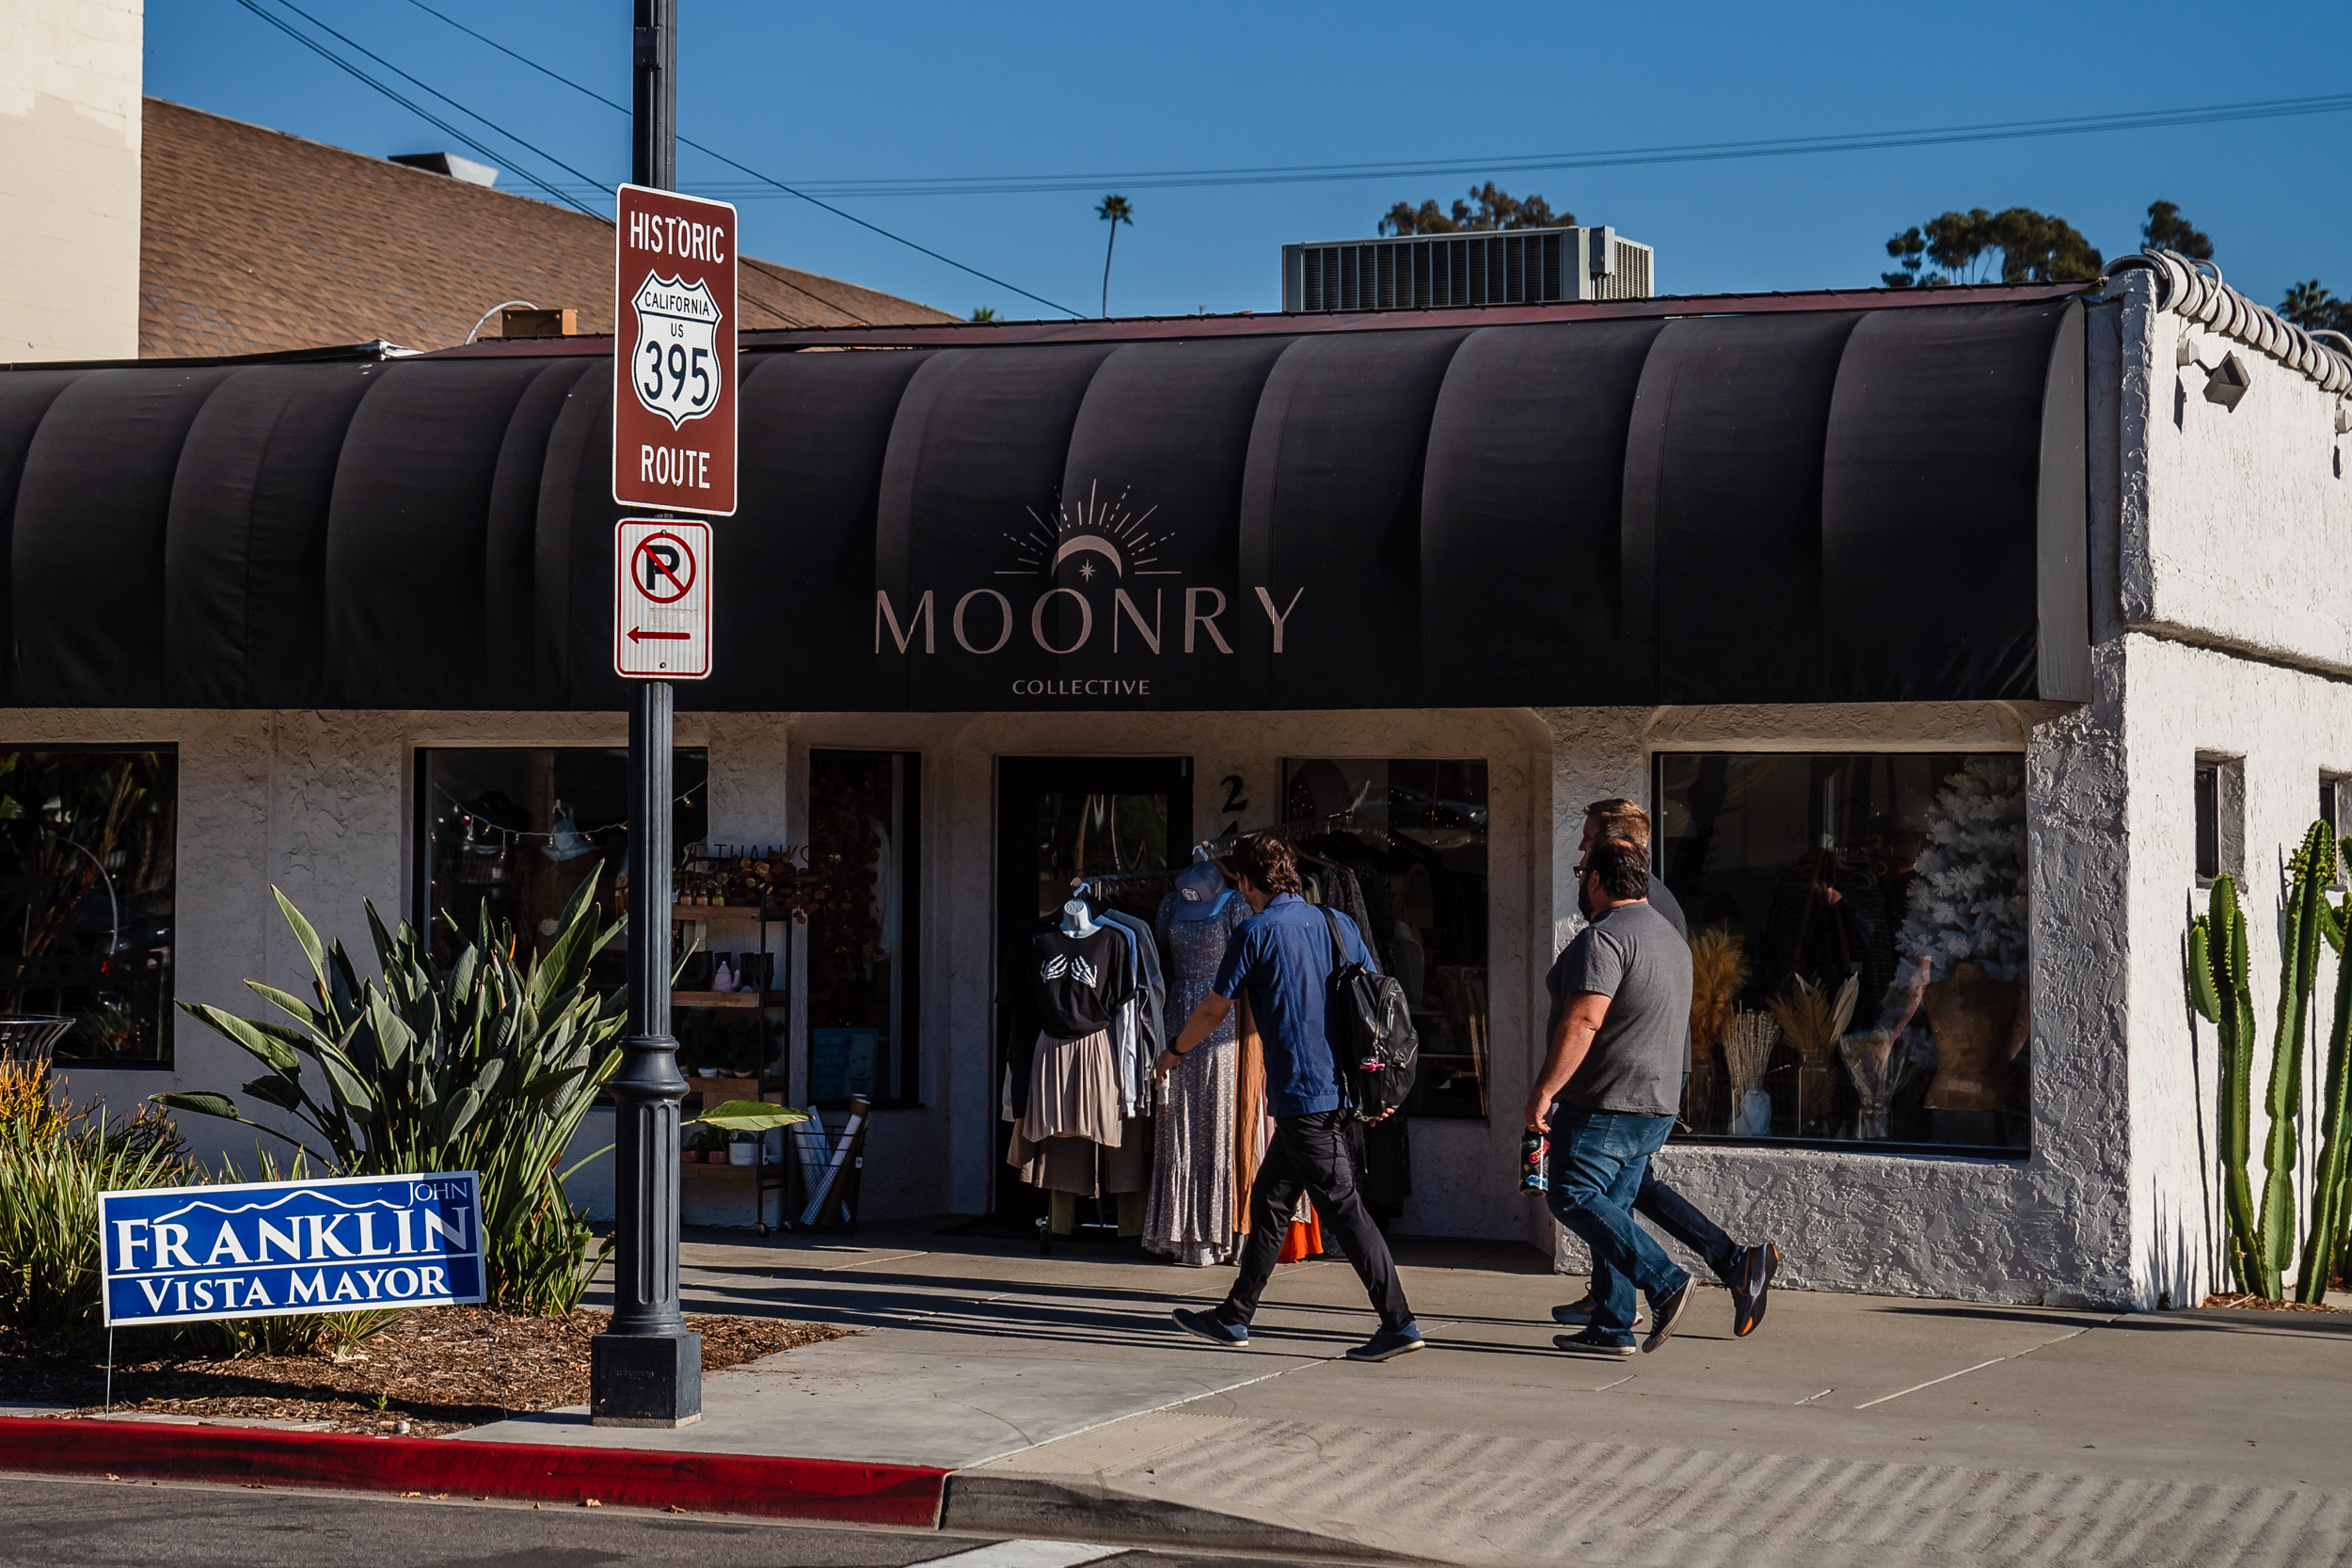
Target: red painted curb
836, 1491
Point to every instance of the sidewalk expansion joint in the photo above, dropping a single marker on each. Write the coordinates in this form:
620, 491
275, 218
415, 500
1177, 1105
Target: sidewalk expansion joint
1977, 1368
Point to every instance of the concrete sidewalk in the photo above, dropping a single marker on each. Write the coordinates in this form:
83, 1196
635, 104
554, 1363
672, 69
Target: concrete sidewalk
1848, 1431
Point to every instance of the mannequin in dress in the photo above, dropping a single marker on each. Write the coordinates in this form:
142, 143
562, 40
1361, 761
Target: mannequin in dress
1193, 1196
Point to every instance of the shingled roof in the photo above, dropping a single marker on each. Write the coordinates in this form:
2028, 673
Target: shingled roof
253, 241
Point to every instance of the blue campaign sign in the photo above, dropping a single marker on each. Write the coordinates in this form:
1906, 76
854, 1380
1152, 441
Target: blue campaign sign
269, 1249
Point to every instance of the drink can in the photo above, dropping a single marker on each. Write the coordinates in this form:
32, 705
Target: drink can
1534, 1151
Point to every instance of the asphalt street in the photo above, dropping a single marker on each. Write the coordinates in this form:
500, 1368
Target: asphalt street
102, 1524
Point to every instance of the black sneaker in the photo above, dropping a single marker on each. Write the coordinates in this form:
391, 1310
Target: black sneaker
1214, 1327
1593, 1343
1579, 1313
1751, 1282
1388, 1344
1668, 1312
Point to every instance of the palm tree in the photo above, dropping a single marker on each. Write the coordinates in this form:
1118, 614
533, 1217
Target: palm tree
1114, 211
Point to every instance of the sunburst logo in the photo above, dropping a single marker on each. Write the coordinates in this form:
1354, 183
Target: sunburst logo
1094, 527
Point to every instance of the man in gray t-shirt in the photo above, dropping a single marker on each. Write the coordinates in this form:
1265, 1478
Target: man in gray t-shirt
1746, 1270
1634, 956
1608, 1090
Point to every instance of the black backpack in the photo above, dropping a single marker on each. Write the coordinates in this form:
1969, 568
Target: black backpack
1372, 1031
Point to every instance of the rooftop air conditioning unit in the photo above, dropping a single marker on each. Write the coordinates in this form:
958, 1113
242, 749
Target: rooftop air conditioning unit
1421, 272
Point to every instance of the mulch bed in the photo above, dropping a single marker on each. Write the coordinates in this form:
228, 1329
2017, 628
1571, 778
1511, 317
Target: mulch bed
437, 1370
2258, 1304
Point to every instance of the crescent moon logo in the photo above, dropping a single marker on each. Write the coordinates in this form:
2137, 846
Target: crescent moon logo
1094, 542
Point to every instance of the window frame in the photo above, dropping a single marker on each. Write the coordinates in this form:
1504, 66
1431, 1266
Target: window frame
167, 1029
1682, 1133
1287, 767
908, 845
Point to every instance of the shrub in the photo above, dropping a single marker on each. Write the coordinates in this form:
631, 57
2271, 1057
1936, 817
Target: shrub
54, 1160
487, 1066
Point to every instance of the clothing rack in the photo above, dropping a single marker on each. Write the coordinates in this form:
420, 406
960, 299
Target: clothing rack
1082, 884
1288, 832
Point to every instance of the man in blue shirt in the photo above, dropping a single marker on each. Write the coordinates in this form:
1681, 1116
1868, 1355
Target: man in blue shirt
1282, 954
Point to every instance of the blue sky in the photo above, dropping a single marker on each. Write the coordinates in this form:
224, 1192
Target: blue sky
918, 90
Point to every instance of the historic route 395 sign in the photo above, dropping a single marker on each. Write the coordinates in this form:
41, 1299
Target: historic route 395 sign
661, 600
674, 354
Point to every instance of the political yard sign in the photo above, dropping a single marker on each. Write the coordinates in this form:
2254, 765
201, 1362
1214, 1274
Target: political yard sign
272, 1249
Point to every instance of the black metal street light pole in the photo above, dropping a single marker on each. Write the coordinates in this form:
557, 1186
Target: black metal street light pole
646, 1368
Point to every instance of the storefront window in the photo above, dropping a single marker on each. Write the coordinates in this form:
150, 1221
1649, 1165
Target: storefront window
864, 838
1859, 944
515, 833
1401, 847
85, 898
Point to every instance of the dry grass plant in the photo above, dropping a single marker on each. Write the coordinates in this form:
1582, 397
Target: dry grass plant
1812, 1018
1718, 967
1748, 1042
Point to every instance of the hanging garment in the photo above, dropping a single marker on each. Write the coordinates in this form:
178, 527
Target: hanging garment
1078, 983
1150, 1003
1072, 1107
1068, 1103
1076, 986
1193, 1198
1249, 1120
1341, 891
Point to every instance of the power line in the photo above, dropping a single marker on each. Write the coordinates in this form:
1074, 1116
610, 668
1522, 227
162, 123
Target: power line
763, 179
453, 102
419, 110
2144, 119
1611, 158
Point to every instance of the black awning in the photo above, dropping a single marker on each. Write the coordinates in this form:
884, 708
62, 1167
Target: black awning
1835, 505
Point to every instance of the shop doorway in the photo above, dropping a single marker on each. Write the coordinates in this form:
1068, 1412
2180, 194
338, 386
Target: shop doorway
1059, 819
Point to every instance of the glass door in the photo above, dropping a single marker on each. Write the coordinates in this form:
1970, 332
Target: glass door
1060, 820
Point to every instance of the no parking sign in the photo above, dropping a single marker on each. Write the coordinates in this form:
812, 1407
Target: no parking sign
661, 599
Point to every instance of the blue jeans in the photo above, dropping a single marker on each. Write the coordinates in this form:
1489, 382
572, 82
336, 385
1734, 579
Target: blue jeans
1678, 1217
1599, 1159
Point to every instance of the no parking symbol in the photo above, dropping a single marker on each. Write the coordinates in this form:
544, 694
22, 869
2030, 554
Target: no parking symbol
661, 599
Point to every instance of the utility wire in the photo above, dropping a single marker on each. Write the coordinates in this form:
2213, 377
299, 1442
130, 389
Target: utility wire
763, 269
453, 102
1682, 153
763, 179
418, 109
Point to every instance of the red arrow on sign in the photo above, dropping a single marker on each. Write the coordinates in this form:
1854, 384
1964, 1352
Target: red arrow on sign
636, 635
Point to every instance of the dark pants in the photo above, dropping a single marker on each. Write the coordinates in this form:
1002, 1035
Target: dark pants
1598, 1161
1310, 1154
1674, 1214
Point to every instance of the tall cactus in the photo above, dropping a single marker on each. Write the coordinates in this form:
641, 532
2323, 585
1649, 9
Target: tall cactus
2313, 867
2323, 1241
2217, 987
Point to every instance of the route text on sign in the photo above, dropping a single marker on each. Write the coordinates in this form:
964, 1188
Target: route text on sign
673, 361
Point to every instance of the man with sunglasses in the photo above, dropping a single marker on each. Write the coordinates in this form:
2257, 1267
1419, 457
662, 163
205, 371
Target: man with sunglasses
1747, 1272
1607, 1093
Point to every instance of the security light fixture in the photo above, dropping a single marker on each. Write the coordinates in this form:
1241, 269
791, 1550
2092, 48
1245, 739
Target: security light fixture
2227, 383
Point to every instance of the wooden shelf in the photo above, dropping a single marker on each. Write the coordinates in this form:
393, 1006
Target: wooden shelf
728, 998
720, 917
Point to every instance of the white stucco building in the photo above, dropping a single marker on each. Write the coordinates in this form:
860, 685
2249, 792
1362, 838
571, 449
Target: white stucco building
1851, 542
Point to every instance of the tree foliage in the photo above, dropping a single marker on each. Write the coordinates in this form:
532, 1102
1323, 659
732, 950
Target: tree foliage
1113, 209
2311, 306
2017, 244
1489, 207
2166, 230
